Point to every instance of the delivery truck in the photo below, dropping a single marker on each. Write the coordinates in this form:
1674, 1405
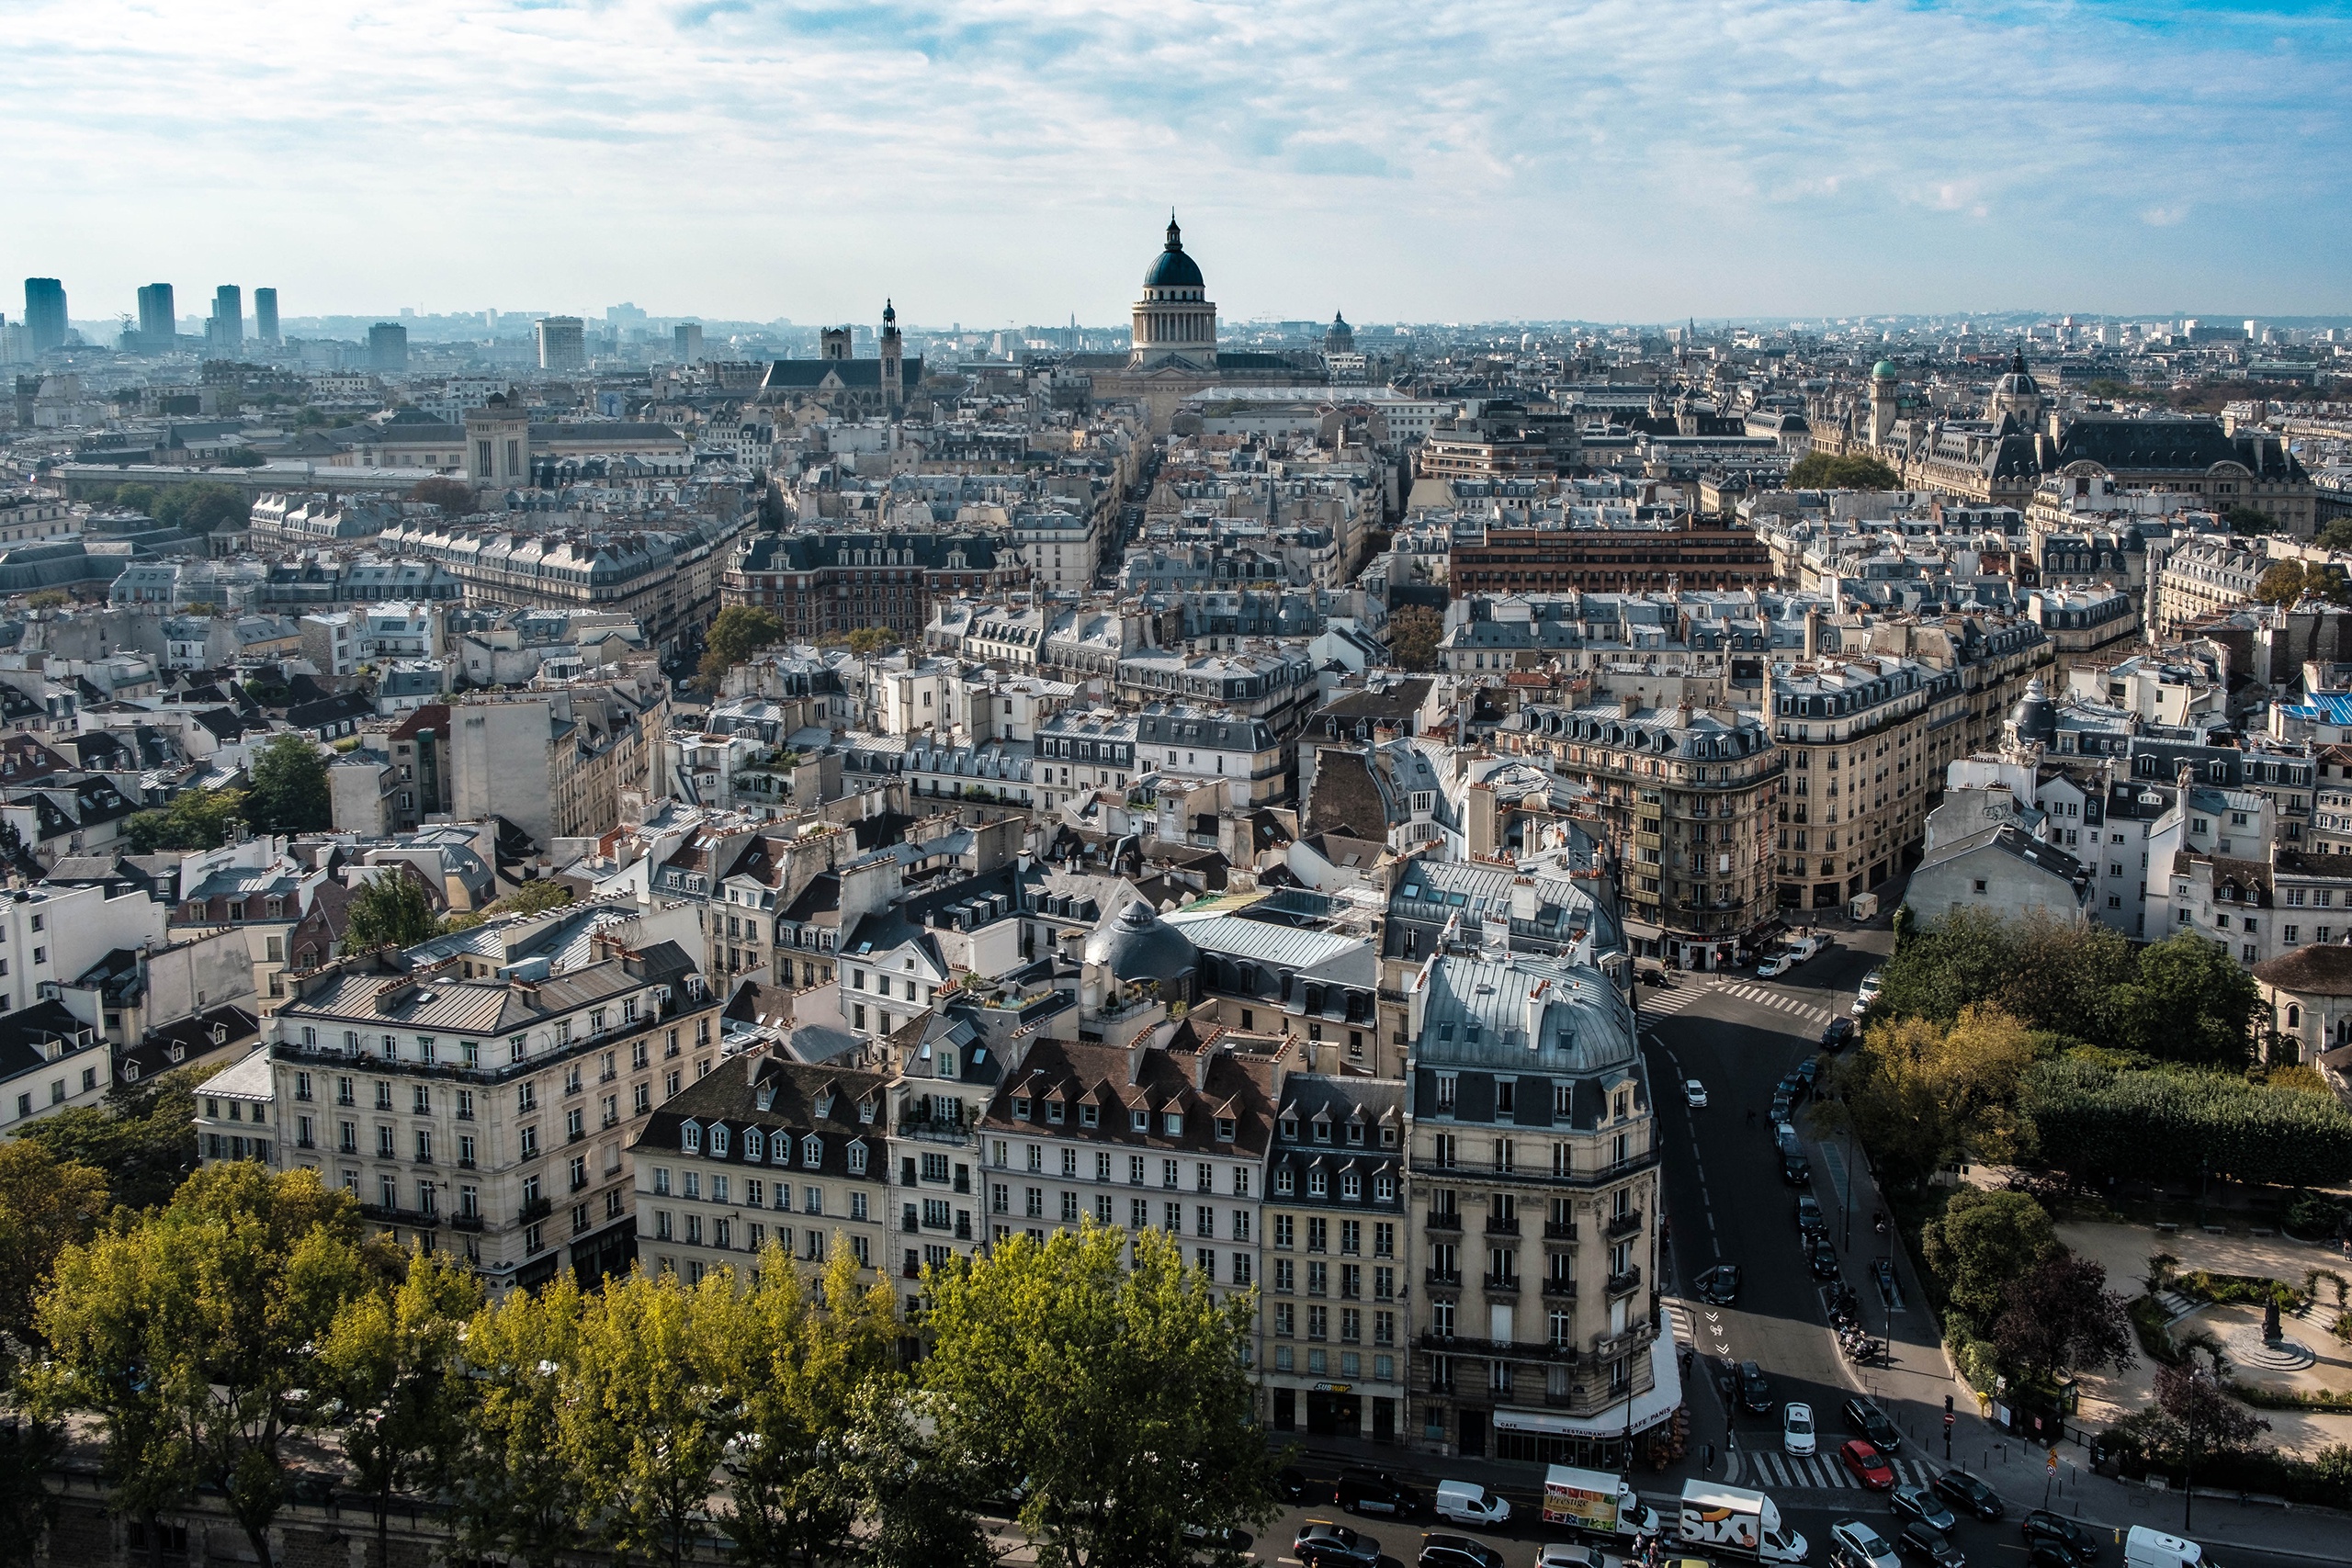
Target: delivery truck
1735, 1520
1597, 1503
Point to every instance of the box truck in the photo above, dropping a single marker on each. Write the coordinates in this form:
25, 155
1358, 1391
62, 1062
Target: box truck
1736, 1520
1596, 1502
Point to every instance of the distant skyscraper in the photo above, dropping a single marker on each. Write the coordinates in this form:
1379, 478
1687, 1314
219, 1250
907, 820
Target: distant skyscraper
685, 340
387, 346
562, 345
158, 327
227, 330
265, 315
44, 314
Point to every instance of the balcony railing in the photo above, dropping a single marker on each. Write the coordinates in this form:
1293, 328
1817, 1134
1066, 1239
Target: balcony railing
1442, 1277
466, 1221
382, 1215
537, 1208
1445, 1219
1628, 1280
1497, 1225
1626, 1223
1501, 1285
1558, 1231
1608, 1347
1522, 1350
1560, 1290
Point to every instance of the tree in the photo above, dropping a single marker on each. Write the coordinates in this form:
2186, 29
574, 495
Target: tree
2046, 974
194, 819
1855, 470
2191, 1003
136, 498
910, 1486
142, 1137
741, 631
1918, 1093
516, 1491
868, 641
291, 793
391, 1356
2199, 1419
1979, 1246
188, 1332
642, 1416
2336, 535
2060, 1316
2289, 581
1414, 633
49, 599
389, 910
794, 1368
1119, 1393
454, 497
45, 1205
200, 507
2249, 520
240, 457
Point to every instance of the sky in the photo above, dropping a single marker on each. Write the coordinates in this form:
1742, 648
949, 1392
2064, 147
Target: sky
1000, 162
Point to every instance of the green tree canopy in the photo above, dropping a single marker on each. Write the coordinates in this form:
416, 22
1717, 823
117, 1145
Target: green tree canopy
45, 1205
289, 792
1414, 633
2336, 534
454, 497
1855, 470
188, 1332
2249, 520
192, 819
200, 507
2059, 1316
2190, 1003
1119, 1393
1981, 1244
143, 1135
1918, 1093
2289, 581
389, 910
516, 1493
739, 631
868, 641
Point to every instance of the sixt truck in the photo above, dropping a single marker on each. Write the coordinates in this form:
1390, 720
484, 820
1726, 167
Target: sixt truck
1736, 1520
1597, 1503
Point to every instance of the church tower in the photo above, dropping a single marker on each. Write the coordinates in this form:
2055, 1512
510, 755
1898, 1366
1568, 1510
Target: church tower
894, 364
1883, 381
1175, 322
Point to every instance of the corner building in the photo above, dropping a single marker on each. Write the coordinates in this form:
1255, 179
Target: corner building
1531, 1149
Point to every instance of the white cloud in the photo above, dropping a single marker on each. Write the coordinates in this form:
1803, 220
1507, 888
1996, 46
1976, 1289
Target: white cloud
1001, 161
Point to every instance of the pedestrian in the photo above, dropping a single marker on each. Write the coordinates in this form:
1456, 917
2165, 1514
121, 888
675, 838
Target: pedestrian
1709, 1465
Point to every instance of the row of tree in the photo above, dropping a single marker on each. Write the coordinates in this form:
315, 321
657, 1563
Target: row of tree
288, 794
2017, 1303
742, 630
199, 507
778, 1412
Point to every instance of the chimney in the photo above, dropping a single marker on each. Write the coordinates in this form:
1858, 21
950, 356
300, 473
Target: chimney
1812, 633
1522, 899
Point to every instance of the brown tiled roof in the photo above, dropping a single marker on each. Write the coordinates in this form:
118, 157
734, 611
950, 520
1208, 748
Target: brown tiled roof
2324, 969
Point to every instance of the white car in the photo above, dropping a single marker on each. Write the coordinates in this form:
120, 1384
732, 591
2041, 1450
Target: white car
1869, 992
1797, 1435
1561, 1555
1695, 1092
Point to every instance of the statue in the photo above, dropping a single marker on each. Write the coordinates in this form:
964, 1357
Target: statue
2270, 1321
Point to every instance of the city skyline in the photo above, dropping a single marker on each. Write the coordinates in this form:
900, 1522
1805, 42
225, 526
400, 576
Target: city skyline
998, 167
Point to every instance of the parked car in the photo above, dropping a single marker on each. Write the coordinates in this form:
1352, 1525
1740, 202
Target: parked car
1866, 1417
1838, 1035
1790, 1086
1853, 1544
1821, 1257
1921, 1544
2052, 1554
2043, 1525
1375, 1492
1867, 992
1322, 1544
1810, 1219
1797, 1170
1796, 1429
1467, 1503
1754, 1391
1719, 1286
1783, 1106
1963, 1490
1560, 1554
1774, 966
1809, 1069
1919, 1503
1456, 1552
1695, 1093
1866, 1464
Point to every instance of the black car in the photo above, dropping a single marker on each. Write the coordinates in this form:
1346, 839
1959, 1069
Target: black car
1755, 1392
1797, 1170
1375, 1492
1719, 1286
1290, 1484
1920, 1543
1838, 1035
1922, 1506
1808, 1070
1780, 1107
1821, 1258
1963, 1490
1866, 1418
1321, 1544
2051, 1554
2043, 1525
1456, 1552
1656, 977
1790, 1086
1811, 1220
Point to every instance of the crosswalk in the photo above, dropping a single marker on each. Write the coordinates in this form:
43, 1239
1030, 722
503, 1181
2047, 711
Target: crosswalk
1750, 992
1685, 992
1822, 1472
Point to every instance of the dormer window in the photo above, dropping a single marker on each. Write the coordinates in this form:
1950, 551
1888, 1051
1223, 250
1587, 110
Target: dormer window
719, 1143
1021, 1107
1290, 1129
755, 1143
1317, 1183
690, 1138
1225, 1129
812, 1151
865, 1110
1383, 1188
944, 1064
1285, 1183
1388, 1137
1140, 1121
1351, 1187
1089, 1114
1322, 1132
1054, 1112
1172, 1123
1625, 1104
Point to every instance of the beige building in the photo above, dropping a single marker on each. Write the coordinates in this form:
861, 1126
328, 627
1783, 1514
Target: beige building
492, 1115
1853, 805
1530, 1143
555, 762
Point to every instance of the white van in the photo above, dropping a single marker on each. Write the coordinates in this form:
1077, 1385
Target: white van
2144, 1547
1853, 1544
1467, 1503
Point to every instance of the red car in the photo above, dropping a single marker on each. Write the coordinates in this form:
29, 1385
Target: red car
1867, 1465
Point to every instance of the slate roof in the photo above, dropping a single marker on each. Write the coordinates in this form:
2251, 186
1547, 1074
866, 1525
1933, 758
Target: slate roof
2321, 970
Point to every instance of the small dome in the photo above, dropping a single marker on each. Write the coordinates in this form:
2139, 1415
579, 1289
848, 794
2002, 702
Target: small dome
1139, 945
1173, 268
2036, 716
1884, 370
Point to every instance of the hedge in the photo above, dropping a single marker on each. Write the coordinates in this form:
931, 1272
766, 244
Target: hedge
2167, 1126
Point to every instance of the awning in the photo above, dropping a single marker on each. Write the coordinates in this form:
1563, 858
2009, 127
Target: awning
1649, 1409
